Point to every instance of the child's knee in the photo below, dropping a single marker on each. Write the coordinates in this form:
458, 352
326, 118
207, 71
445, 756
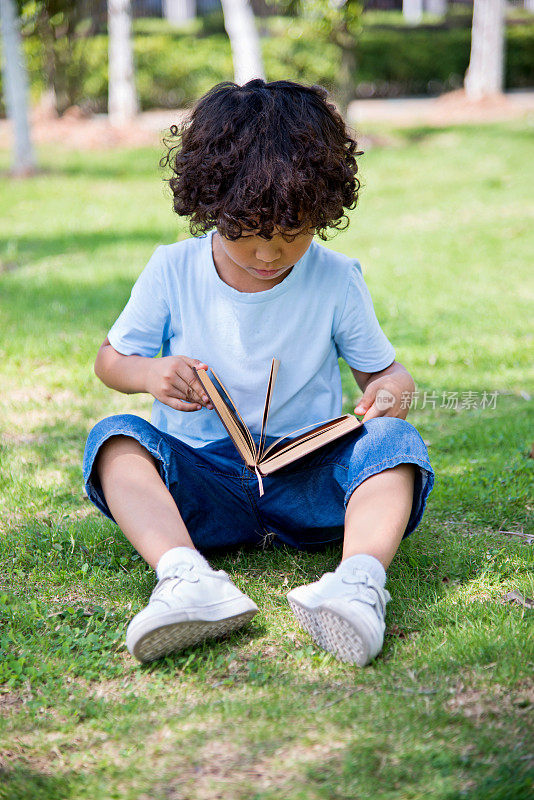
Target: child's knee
386, 442
116, 447
388, 431
120, 433
387, 426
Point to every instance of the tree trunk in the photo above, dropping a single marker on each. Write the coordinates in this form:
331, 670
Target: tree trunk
345, 92
244, 40
485, 74
179, 11
436, 7
343, 37
412, 11
15, 82
122, 96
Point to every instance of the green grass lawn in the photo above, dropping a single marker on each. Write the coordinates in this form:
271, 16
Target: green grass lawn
443, 232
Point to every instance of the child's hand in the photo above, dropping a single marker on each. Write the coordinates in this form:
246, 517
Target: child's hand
173, 381
387, 395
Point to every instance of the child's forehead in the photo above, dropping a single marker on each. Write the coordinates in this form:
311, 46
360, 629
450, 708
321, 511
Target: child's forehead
254, 230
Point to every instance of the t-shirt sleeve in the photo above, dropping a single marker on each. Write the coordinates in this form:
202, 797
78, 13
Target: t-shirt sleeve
358, 336
145, 323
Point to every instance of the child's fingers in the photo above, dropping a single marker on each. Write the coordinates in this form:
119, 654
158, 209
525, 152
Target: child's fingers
191, 399
193, 387
194, 362
182, 405
191, 390
372, 412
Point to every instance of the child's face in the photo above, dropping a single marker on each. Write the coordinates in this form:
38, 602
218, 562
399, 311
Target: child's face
265, 260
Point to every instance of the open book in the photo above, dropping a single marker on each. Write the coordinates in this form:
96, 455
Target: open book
258, 458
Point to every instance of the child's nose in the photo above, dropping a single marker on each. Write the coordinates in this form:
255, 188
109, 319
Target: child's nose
267, 254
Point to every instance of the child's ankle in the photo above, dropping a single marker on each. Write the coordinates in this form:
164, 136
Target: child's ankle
366, 563
176, 556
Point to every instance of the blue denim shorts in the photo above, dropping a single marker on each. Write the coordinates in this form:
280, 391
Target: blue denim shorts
304, 503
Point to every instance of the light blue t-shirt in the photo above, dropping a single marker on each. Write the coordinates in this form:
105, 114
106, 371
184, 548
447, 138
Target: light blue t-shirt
320, 311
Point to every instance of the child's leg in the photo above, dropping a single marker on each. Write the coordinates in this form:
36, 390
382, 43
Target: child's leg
191, 601
378, 513
387, 481
344, 611
147, 514
140, 502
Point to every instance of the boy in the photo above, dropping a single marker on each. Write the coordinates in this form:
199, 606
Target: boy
258, 169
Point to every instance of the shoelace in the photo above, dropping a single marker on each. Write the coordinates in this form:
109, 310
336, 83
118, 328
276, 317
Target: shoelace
367, 590
185, 572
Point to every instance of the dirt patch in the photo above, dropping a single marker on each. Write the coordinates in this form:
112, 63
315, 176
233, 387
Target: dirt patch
222, 768
452, 108
76, 131
11, 702
480, 704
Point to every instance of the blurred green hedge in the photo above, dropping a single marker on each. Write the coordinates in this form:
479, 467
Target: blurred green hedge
428, 61
174, 67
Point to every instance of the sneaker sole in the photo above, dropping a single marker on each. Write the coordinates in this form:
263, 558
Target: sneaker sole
333, 633
176, 636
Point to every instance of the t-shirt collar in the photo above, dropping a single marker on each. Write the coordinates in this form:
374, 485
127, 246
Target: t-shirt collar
251, 297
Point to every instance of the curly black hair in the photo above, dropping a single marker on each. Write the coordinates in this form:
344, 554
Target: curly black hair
263, 156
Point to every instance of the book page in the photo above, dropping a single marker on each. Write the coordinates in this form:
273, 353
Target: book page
270, 387
231, 406
315, 428
229, 416
307, 444
347, 421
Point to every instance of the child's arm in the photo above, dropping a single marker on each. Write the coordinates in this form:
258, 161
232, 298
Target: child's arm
170, 380
387, 393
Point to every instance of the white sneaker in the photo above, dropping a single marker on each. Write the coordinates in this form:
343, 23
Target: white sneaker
186, 607
344, 613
